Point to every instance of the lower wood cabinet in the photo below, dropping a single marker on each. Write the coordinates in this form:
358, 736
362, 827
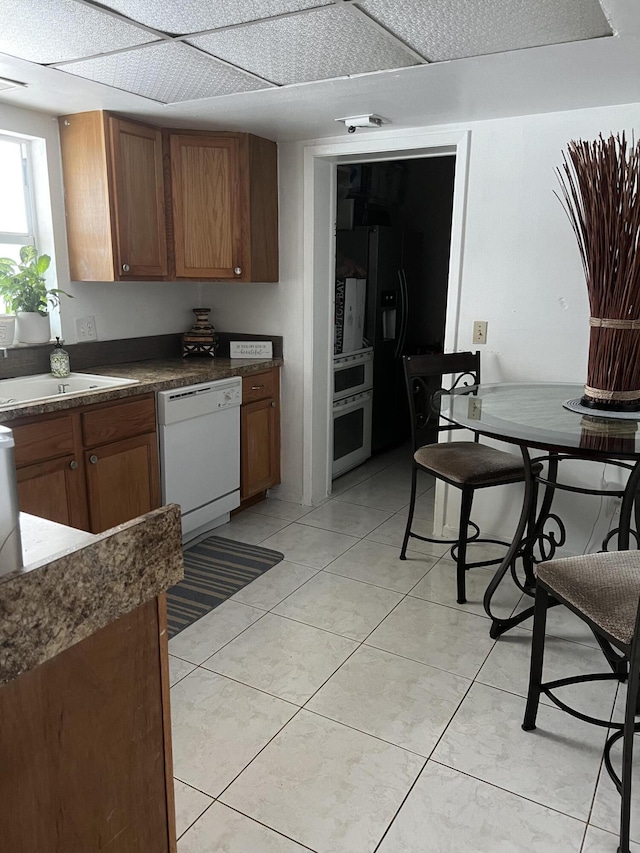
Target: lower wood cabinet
260, 433
122, 480
91, 468
54, 489
85, 740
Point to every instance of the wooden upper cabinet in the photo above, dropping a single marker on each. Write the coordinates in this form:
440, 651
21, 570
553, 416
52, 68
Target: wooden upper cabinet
146, 203
224, 206
207, 226
138, 195
114, 196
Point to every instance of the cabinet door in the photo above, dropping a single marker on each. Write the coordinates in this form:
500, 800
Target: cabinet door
138, 199
259, 447
206, 206
54, 490
122, 481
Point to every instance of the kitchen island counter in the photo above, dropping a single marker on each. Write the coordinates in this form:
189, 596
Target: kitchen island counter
85, 733
74, 583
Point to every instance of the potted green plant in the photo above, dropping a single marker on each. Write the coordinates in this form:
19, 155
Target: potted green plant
24, 290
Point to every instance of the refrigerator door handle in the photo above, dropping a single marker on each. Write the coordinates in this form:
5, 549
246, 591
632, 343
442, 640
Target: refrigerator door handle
404, 319
398, 348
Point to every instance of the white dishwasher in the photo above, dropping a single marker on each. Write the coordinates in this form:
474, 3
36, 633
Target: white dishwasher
199, 428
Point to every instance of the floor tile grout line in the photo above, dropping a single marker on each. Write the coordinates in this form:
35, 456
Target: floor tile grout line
277, 604
507, 791
398, 810
429, 757
266, 826
250, 686
370, 583
458, 706
202, 814
263, 613
262, 748
194, 787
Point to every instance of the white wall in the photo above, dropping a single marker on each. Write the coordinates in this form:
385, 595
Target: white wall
522, 273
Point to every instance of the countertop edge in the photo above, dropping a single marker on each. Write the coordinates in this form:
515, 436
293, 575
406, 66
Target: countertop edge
153, 375
56, 604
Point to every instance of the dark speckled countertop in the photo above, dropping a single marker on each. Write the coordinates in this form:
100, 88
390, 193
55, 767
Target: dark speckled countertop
152, 375
75, 583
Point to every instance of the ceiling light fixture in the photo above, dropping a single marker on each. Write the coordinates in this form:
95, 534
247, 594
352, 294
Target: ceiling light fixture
352, 123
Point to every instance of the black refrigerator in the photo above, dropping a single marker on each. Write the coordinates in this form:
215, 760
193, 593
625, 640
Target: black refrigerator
396, 317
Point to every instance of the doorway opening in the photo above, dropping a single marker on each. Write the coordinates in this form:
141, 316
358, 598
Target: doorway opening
318, 214
392, 251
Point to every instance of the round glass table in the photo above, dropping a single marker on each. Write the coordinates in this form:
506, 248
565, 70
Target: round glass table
533, 416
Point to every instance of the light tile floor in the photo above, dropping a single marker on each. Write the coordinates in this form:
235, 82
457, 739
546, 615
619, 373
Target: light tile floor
344, 703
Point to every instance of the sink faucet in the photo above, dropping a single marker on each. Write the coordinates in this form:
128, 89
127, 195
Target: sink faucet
62, 387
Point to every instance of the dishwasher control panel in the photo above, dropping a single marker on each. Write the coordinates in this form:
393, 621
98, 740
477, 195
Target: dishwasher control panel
194, 400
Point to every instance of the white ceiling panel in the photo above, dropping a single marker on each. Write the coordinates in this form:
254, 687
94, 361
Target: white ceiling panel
453, 29
190, 16
330, 42
56, 30
167, 72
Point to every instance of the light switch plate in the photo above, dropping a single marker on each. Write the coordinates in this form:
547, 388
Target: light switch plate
251, 349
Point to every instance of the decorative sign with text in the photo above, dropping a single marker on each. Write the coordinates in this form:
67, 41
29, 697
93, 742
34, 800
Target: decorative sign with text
251, 349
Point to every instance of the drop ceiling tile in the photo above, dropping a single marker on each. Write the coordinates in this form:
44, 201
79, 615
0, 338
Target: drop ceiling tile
330, 42
56, 30
167, 72
190, 16
452, 29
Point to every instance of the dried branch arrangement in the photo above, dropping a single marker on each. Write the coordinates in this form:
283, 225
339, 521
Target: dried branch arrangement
600, 183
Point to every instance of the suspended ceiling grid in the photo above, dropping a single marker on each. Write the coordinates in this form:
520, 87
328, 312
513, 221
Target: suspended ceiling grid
174, 52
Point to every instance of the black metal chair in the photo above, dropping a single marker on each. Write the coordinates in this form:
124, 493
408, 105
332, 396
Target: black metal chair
466, 465
604, 591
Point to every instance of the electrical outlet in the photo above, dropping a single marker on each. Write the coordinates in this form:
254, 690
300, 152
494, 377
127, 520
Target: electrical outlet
86, 329
479, 331
474, 409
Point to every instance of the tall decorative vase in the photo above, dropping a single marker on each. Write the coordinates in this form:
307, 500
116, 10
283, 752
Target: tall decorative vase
32, 327
600, 183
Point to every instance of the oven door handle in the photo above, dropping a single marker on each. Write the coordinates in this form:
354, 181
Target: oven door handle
343, 362
342, 407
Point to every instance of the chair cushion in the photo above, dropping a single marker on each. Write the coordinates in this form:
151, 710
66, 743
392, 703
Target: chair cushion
605, 587
470, 464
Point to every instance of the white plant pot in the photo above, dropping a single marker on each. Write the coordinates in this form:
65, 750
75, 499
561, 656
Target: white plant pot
32, 328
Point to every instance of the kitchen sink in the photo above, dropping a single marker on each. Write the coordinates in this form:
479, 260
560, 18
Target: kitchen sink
26, 389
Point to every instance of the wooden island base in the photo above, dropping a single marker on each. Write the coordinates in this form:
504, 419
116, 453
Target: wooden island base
85, 745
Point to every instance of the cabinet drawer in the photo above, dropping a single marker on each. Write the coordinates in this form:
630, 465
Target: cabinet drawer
47, 438
258, 386
118, 420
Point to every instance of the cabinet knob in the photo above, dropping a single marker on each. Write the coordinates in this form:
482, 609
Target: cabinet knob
125, 267
273, 404
93, 459
73, 465
237, 270
257, 387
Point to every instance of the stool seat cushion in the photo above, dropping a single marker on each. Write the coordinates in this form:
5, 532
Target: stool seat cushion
468, 463
605, 587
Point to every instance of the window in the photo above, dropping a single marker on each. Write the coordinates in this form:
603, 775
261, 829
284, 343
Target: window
16, 209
